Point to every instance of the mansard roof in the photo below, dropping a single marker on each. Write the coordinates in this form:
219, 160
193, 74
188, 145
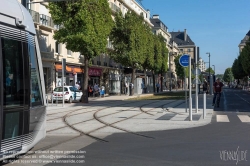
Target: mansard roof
157, 23
178, 38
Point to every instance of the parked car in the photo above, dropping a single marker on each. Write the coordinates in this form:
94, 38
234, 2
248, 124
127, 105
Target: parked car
70, 93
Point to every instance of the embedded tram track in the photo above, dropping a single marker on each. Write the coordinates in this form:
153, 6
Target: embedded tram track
81, 133
119, 128
72, 127
126, 130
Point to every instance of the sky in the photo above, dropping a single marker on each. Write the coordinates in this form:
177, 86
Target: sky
216, 26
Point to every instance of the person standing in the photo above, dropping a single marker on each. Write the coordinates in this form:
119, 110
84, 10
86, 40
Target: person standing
205, 86
157, 87
126, 88
77, 86
217, 90
90, 90
142, 87
96, 89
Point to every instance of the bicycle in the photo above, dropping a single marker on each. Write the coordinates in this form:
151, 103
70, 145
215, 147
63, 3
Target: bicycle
217, 100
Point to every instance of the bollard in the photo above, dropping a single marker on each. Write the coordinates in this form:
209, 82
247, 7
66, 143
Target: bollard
204, 105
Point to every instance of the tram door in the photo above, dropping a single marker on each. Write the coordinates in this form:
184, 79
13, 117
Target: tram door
14, 96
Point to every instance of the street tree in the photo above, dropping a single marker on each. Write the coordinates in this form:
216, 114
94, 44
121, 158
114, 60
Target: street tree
245, 58
128, 41
180, 71
237, 69
211, 70
228, 75
149, 54
164, 57
157, 58
84, 27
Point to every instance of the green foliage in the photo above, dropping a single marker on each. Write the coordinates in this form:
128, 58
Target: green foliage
245, 58
219, 76
178, 68
228, 75
211, 70
164, 54
237, 68
82, 25
149, 54
157, 54
127, 39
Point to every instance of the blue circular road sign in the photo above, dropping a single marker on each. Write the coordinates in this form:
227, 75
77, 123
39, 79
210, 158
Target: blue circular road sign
184, 60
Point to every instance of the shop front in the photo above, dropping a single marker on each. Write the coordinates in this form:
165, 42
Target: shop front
73, 75
94, 76
114, 83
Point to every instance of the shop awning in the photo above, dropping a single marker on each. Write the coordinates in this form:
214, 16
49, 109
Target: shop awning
69, 69
77, 70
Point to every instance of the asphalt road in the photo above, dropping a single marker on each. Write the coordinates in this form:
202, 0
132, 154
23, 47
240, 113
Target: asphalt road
219, 143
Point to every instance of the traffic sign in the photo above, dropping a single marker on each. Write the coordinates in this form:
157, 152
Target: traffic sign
184, 60
198, 71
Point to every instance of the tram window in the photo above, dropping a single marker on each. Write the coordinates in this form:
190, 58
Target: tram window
12, 127
14, 92
36, 98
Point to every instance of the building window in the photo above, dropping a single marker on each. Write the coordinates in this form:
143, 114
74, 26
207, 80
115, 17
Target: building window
189, 50
57, 47
181, 50
43, 42
68, 52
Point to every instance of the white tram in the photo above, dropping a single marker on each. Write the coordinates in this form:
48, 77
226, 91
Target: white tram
22, 91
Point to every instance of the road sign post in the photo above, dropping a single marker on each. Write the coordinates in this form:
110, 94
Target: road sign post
185, 61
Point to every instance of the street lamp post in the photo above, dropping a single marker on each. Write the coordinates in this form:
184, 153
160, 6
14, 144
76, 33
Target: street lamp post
210, 79
214, 69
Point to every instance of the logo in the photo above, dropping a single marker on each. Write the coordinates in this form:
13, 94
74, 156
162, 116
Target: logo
237, 156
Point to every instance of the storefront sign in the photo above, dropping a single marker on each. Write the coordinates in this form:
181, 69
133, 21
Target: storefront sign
95, 72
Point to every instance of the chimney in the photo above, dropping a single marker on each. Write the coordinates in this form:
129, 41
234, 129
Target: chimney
185, 35
148, 14
156, 16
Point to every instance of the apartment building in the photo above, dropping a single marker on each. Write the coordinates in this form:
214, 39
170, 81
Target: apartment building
103, 71
184, 42
202, 65
243, 41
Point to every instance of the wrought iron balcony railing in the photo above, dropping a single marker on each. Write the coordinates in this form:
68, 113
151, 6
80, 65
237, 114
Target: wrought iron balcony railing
114, 7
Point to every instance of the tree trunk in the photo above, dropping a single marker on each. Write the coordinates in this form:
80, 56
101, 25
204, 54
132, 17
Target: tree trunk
161, 82
153, 81
145, 82
85, 92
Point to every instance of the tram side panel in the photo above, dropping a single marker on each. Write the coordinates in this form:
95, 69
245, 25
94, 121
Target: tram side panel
22, 99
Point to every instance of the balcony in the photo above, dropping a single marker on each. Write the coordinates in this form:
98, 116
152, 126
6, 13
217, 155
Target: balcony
114, 7
46, 21
47, 55
35, 16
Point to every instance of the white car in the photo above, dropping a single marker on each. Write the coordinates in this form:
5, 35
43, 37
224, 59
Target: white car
70, 93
